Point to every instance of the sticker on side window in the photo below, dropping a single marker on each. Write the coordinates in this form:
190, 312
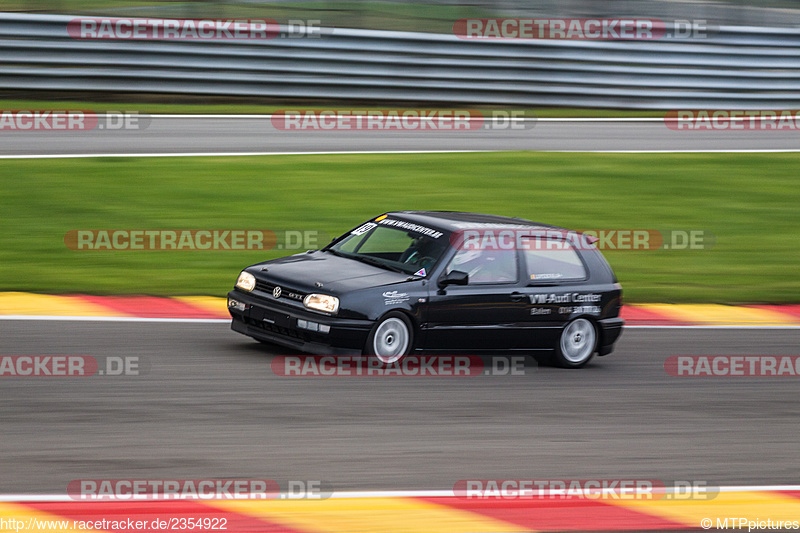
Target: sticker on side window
554, 275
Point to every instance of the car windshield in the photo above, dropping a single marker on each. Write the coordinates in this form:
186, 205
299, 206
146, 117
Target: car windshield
392, 248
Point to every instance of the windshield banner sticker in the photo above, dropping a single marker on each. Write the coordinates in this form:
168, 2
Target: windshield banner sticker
402, 224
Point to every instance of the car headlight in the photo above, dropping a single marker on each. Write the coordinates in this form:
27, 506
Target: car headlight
322, 302
246, 281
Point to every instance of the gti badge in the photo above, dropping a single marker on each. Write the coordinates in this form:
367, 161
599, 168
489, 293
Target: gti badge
276, 292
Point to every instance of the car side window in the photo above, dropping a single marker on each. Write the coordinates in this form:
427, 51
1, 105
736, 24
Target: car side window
553, 260
486, 266
352, 242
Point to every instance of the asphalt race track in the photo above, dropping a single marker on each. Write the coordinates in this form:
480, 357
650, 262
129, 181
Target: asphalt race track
170, 135
209, 406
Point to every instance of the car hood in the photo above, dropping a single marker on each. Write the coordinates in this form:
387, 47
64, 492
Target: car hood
336, 274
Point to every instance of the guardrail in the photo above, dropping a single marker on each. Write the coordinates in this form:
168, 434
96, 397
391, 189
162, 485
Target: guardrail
735, 67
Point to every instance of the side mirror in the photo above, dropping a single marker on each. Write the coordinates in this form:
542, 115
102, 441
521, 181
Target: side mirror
455, 277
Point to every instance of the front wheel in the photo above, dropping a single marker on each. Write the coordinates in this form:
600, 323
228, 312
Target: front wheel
391, 338
577, 344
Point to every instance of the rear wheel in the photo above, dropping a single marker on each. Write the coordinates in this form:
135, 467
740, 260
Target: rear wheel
391, 338
577, 344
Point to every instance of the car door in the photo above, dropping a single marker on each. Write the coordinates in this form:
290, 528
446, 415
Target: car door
556, 277
488, 313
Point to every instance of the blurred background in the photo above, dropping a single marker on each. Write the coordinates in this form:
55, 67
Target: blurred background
428, 16
741, 54
404, 54
211, 407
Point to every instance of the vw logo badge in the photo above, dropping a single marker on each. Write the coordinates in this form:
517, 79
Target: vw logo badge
276, 292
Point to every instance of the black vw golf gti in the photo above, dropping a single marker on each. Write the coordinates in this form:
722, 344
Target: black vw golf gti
437, 282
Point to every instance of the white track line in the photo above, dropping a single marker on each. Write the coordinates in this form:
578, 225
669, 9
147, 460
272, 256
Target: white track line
382, 494
241, 154
400, 152
460, 119
227, 320
438, 118
488, 117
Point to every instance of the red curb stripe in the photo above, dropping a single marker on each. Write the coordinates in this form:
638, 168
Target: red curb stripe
223, 313
82, 299
150, 307
792, 310
561, 515
639, 316
150, 511
160, 307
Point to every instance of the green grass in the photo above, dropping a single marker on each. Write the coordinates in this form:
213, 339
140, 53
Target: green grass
208, 107
749, 202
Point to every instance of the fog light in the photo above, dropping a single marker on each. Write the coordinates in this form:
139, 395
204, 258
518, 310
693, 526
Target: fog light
236, 304
313, 326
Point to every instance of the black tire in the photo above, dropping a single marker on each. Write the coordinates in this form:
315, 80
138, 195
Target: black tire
391, 338
577, 344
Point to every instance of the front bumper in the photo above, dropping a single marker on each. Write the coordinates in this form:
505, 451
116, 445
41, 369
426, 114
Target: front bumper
610, 330
272, 322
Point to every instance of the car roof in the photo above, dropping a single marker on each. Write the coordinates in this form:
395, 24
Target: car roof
458, 220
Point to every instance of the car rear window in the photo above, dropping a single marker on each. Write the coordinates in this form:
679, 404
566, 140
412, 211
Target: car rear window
553, 260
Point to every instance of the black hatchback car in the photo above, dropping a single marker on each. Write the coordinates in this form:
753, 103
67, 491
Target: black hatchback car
437, 282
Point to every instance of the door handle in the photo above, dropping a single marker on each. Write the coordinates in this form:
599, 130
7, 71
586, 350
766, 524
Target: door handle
517, 297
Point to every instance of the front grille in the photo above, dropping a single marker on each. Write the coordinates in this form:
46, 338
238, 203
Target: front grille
263, 286
278, 330
266, 286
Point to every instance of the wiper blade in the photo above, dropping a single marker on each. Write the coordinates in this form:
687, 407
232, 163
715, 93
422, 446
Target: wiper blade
368, 260
377, 262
